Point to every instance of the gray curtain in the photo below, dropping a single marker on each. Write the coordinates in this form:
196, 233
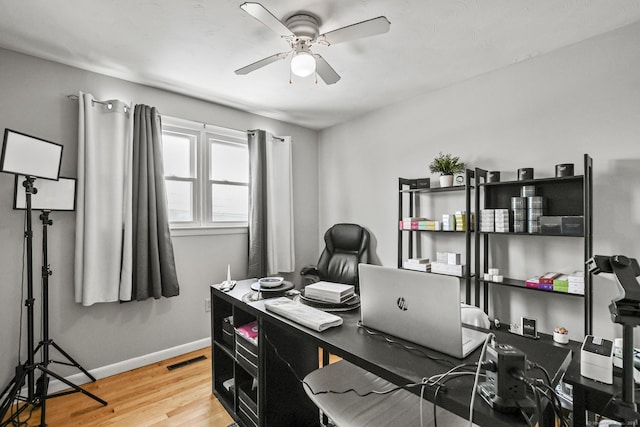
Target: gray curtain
257, 203
154, 270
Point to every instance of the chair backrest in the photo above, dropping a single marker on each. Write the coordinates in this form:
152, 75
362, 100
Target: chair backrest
346, 245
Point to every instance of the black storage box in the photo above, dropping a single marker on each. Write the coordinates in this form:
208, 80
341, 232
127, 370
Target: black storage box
525, 174
493, 176
562, 225
564, 169
247, 355
228, 333
247, 405
420, 183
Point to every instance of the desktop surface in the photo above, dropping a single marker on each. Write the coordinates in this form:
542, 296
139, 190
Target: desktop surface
400, 366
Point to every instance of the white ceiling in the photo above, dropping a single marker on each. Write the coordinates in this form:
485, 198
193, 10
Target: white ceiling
194, 46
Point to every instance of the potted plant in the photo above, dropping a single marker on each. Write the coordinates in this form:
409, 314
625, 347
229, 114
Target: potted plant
446, 165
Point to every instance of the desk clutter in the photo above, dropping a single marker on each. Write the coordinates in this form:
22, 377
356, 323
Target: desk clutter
248, 368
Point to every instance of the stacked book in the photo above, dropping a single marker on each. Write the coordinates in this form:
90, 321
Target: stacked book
461, 221
576, 283
546, 281
494, 220
561, 283
418, 264
568, 283
448, 222
487, 220
414, 223
329, 292
501, 220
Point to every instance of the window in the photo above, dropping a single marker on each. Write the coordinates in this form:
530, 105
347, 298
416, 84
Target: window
206, 172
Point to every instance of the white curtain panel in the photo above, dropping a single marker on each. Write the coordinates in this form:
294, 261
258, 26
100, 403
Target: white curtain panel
280, 237
103, 255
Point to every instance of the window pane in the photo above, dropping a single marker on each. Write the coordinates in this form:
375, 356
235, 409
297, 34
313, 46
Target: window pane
178, 154
230, 203
229, 162
180, 200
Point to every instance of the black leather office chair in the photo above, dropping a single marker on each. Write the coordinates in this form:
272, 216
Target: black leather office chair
346, 245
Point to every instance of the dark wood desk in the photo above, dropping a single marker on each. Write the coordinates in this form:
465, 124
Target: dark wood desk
590, 395
297, 344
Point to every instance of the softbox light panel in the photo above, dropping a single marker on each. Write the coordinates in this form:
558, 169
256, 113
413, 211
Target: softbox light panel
52, 195
28, 155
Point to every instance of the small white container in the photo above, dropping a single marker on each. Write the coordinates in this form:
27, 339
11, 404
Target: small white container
560, 338
270, 282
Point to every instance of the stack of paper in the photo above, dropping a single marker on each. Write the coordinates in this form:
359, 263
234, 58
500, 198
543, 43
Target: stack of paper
329, 291
419, 264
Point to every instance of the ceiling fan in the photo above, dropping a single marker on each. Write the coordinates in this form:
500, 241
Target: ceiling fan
301, 31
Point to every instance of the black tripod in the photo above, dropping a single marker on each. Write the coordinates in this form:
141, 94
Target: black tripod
37, 396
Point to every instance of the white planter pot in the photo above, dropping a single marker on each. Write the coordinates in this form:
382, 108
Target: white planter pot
446, 180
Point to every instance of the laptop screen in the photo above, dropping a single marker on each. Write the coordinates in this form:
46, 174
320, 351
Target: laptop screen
420, 307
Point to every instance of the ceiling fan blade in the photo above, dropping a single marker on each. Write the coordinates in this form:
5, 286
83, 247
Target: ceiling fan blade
259, 12
368, 28
325, 71
263, 62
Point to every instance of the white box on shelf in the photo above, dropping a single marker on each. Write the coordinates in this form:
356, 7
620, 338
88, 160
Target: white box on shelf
453, 258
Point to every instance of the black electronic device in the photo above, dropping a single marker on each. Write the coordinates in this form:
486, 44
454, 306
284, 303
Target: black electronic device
624, 310
502, 390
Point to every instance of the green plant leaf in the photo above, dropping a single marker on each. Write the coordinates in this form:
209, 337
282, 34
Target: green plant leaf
446, 164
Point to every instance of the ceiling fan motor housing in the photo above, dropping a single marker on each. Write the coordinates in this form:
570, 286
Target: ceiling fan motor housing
304, 26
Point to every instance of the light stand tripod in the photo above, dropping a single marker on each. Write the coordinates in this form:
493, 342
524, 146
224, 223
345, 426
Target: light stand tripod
43, 381
26, 371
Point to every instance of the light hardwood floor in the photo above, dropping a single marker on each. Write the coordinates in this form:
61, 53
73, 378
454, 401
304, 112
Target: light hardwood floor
148, 396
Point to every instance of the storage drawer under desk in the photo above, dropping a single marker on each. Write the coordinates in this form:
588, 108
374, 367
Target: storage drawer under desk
247, 405
247, 355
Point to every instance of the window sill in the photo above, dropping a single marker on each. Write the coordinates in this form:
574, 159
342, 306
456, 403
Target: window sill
207, 231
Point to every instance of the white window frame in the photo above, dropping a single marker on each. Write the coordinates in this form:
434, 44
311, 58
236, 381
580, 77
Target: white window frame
202, 182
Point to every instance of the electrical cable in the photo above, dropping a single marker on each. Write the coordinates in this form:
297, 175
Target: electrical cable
444, 380
420, 406
404, 346
555, 402
524, 415
533, 365
349, 390
475, 381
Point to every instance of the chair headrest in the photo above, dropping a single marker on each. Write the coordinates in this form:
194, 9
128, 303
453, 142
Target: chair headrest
346, 237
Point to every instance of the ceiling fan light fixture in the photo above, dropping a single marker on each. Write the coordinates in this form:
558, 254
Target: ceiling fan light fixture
303, 64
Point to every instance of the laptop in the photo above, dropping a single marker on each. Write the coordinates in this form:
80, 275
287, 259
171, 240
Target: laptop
415, 306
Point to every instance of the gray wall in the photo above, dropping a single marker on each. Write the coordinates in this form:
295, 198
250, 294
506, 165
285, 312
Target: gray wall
32, 100
548, 110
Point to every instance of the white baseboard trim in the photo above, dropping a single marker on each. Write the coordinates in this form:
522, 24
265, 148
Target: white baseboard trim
128, 365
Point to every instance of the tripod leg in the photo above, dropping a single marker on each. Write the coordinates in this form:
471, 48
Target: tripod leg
70, 359
72, 385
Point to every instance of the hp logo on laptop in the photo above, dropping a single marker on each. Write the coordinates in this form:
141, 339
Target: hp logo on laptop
402, 304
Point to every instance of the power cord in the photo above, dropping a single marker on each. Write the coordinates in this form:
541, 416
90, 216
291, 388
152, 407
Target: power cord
538, 388
449, 376
349, 390
477, 377
404, 346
